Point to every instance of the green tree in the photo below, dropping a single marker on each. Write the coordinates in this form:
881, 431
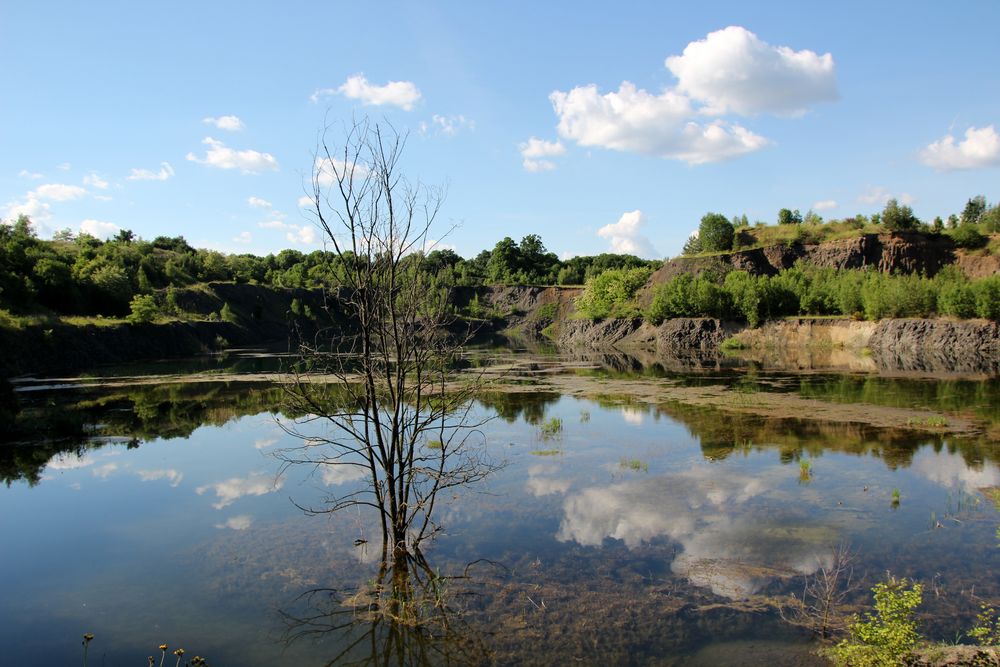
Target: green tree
715, 232
788, 217
898, 217
974, 210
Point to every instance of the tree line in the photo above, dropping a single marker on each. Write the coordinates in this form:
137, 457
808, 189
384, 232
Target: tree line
80, 274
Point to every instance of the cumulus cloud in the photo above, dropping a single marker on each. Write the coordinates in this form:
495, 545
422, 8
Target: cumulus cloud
220, 156
95, 181
30, 175
635, 120
243, 238
952, 471
540, 483
449, 126
257, 202
329, 170
306, 202
402, 94
57, 192
876, 194
335, 474
979, 149
733, 70
302, 234
39, 211
231, 490
534, 150
272, 224
824, 205
99, 228
165, 172
104, 471
626, 236
228, 123
68, 462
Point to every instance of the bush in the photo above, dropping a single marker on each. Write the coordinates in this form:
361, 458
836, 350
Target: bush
715, 233
883, 639
968, 236
227, 314
143, 309
609, 294
987, 294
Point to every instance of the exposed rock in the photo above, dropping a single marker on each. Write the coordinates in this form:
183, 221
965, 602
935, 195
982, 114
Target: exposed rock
940, 656
926, 345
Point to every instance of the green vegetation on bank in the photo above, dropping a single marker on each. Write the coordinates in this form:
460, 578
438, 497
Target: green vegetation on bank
810, 290
716, 233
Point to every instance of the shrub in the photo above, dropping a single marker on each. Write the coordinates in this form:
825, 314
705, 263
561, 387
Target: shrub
609, 294
227, 314
715, 232
143, 309
987, 293
884, 638
968, 236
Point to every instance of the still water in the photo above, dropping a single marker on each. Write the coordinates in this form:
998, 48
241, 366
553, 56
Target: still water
616, 531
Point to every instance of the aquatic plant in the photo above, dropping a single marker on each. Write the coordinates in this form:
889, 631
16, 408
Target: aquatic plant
805, 470
87, 638
551, 428
895, 498
434, 444
883, 638
546, 452
634, 464
584, 416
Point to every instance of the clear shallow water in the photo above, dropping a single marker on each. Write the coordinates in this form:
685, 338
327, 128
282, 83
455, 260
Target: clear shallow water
635, 534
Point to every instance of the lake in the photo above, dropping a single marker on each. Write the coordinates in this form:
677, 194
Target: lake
640, 514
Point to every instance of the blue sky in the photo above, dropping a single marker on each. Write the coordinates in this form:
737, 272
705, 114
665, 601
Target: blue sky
599, 128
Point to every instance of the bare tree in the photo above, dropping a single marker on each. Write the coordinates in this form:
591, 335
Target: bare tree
824, 593
399, 417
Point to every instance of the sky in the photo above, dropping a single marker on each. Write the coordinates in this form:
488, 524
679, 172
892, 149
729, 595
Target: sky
600, 128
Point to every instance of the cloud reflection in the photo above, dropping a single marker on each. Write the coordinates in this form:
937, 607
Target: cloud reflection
171, 475
231, 490
241, 522
539, 484
951, 471
728, 553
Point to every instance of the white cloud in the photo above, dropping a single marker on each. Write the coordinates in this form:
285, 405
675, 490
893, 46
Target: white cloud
876, 194
447, 125
99, 228
64, 166
96, 181
302, 234
57, 192
247, 161
635, 120
228, 123
244, 238
306, 202
272, 224
30, 175
241, 522
257, 202
103, 198
264, 443
626, 237
979, 149
68, 462
165, 172
231, 490
534, 150
330, 169
732, 70
38, 211
402, 94
825, 205
952, 471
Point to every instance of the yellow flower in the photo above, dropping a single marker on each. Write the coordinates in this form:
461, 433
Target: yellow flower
87, 637
163, 647
179, 652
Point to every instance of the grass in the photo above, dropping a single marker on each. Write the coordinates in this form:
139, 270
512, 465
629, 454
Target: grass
733, 343
551, 428
634, 464
805, 470
929, 422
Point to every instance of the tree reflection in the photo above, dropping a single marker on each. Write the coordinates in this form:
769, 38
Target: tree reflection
407, 614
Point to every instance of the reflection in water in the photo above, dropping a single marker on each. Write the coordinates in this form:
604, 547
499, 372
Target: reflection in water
406, 615
696, 508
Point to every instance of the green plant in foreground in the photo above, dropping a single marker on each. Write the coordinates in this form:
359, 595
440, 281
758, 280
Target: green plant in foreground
987, 628
885, 638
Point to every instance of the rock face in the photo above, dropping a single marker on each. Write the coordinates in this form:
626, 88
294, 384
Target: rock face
898, 252
683, 335
918, 345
